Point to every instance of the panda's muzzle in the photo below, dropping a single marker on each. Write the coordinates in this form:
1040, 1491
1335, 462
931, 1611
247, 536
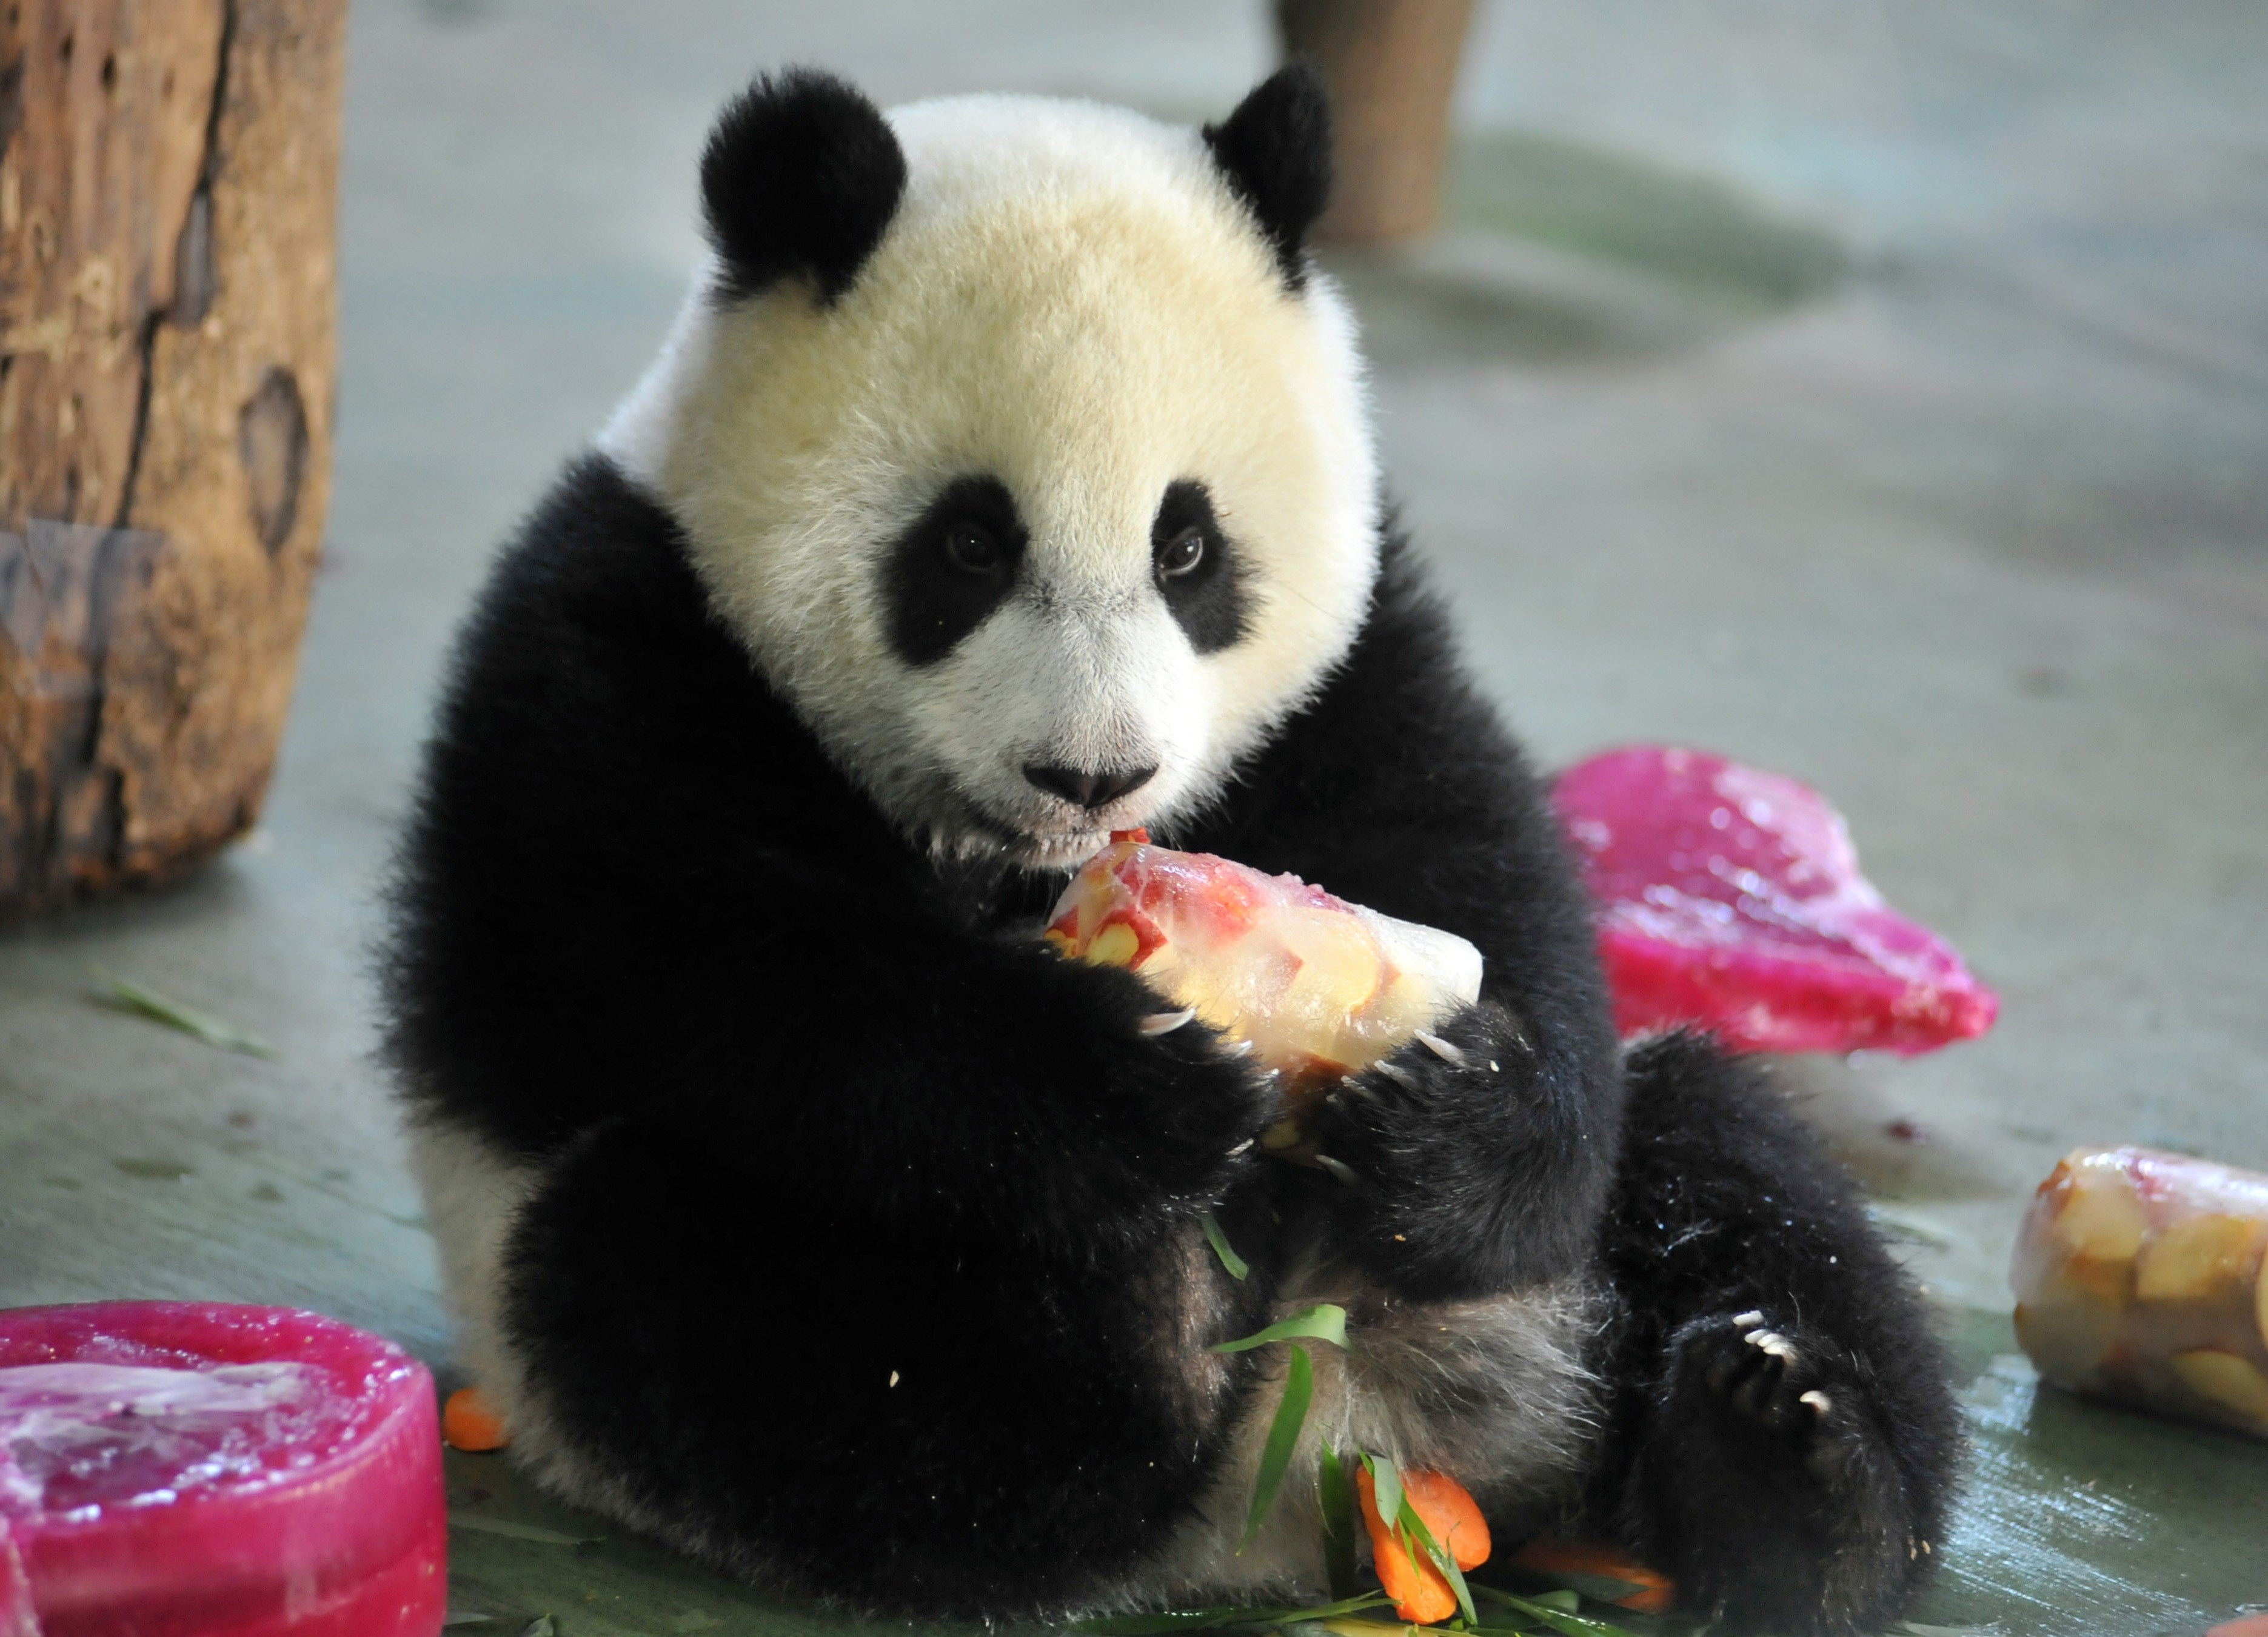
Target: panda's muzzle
1090, 790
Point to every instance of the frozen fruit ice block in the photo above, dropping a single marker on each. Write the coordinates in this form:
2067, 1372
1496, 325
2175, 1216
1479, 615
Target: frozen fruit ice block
1319, 988
2143, 1277
1731, 899
205, 1469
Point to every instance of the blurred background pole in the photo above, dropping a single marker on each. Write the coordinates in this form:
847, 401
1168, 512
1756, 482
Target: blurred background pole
1392, 65
169, 206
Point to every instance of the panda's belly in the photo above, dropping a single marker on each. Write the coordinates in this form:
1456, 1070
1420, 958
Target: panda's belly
1494, 1391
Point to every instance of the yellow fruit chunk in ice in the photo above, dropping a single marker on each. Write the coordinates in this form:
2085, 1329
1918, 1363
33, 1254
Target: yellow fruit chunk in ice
2228, 1381
1113, 946
2260, 1303
2196, 1258
2098, 1224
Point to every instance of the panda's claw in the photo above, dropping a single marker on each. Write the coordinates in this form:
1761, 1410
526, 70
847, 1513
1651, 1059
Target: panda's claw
1452, 1055
1773, 1342
1399, 1075
1164, 1022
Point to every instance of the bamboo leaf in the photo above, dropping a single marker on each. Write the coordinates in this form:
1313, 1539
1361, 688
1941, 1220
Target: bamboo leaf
1558, 1621
1282, 1438
1386, 1483
1326, 1321
121, 995
1335, 1491
511, 1531
1237, 1266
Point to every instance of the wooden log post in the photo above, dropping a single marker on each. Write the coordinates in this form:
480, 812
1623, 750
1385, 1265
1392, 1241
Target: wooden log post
1392, 68
168, 202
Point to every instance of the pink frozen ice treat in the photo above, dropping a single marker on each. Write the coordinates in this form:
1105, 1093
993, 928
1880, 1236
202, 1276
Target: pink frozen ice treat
1731, 899
1319, 988
200, 1469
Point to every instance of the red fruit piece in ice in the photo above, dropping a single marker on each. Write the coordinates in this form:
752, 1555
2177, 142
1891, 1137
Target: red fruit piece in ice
204, 1470
1731, 898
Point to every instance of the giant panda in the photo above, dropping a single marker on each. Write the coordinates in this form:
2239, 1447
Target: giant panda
1008, 479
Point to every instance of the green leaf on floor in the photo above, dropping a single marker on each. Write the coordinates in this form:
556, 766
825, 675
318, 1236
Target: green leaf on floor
511, 1531
122, 994
1552, 1611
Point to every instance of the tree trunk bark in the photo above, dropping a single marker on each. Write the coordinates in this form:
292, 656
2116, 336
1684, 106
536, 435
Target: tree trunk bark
1392, 68
168, 197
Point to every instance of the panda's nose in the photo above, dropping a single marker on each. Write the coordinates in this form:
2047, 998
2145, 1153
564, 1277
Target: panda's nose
1087, 790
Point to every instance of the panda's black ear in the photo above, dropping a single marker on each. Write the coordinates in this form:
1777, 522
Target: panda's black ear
801, 175
1276, 152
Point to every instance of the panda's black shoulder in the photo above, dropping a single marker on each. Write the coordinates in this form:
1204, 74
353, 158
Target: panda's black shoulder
594, 592
607, 779
593, 686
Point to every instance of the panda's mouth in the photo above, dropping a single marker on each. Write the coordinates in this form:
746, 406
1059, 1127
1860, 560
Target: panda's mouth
1062, 849
1038, 841
968, 821
975, 831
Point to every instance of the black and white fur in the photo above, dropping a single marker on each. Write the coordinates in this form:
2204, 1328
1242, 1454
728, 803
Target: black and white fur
1008, 479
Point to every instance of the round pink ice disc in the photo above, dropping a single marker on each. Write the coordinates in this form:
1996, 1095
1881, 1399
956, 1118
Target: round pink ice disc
201, 1470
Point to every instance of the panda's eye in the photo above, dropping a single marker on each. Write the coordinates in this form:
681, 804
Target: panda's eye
971, 549
1182, 554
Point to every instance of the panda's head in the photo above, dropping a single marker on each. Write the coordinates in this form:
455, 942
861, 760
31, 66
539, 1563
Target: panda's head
1020, 444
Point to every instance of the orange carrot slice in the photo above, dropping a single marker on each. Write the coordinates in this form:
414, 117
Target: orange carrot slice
1420, 1592
1452, 1516
469, 1423
1655, 1592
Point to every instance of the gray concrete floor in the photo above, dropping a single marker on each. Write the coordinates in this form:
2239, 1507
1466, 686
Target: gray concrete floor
1878, 394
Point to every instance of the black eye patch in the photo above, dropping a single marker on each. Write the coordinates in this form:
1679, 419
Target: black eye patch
949, 570
1196, 568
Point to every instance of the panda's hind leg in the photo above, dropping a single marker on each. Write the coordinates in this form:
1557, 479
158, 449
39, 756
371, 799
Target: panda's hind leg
1786, 1438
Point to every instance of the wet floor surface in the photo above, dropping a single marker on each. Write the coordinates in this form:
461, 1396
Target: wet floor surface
1878, 394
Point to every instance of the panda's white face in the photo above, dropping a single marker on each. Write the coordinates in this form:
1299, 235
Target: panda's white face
1059, 509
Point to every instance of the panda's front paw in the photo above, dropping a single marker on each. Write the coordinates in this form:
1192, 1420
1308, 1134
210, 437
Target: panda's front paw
1199, 1103
1425, 1143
